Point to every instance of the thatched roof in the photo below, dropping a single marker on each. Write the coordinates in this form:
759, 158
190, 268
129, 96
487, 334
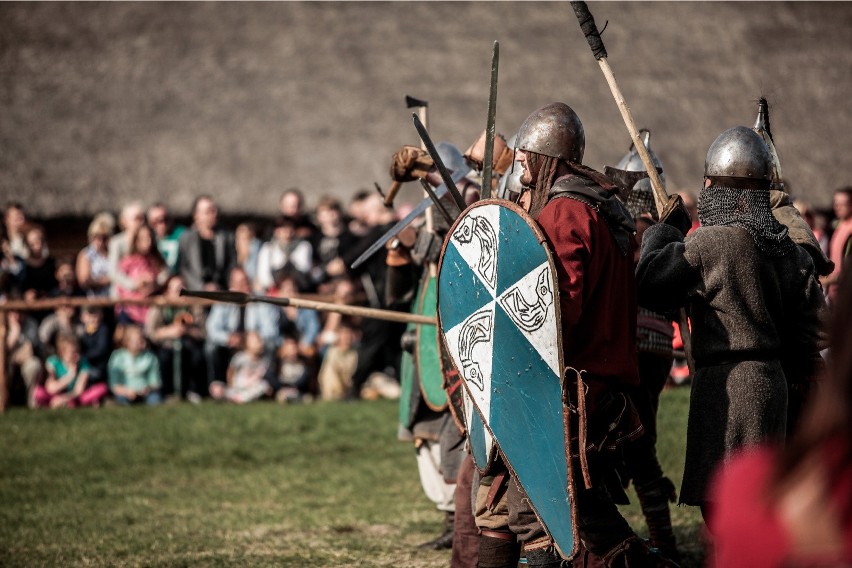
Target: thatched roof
108, 101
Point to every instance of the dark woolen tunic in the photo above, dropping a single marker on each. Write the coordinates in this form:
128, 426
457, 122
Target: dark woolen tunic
747, 309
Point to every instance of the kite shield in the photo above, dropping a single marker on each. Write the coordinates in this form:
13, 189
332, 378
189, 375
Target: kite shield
498, 306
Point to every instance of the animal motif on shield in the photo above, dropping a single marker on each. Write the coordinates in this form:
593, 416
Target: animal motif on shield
477, 329
479, 227
529, 316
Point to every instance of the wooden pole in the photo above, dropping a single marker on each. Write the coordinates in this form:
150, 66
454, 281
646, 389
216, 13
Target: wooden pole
242, 298
4, 382
660, 195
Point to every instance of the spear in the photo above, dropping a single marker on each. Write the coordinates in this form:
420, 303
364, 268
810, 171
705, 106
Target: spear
593, 36
242, 299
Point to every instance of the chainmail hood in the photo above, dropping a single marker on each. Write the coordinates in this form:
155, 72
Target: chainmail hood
746, 209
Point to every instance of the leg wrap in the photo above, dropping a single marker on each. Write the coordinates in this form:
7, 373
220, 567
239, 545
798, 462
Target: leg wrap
654, 498
498, 552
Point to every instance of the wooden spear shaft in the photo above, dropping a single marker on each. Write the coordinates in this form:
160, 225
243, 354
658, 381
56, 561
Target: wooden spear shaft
242, 298
590, 30
660, 195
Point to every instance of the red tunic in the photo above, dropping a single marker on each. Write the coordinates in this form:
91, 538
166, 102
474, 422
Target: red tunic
748, 531
597, 288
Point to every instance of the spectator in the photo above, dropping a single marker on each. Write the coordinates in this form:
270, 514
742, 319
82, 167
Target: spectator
61, 321
338, 366
331, 236
66, 280
134, 374
294, 372
167, 234
358, 225
292, 205
93, 261
379, 349
132, 217
227, 325
146, 268
284, 252
16, 225
249, 373
841, 241
248, 246
300, 323
95, 343
792, 505
12, 270
206, 251
40, 268
344, 292
67, 382
21, 359
177, 334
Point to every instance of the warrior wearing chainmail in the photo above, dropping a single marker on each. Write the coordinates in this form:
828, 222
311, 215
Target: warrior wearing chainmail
753, 298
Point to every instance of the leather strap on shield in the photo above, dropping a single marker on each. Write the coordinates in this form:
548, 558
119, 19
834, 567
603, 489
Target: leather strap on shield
580, 409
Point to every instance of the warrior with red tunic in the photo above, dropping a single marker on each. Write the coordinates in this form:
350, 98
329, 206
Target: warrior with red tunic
590, 234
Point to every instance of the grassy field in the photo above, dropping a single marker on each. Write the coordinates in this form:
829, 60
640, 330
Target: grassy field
215, 485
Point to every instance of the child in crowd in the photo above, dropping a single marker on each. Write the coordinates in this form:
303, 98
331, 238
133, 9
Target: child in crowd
293, 371
95, 343
67, 382
338, 367
134, 373
249, 373
63, 320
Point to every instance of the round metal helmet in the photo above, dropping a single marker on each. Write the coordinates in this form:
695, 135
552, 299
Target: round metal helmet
632, 162
739, 152
453, 160
553, 130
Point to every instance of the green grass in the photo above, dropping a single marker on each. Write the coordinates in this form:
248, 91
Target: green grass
217, 485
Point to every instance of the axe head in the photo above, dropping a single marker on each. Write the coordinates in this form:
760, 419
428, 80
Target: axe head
411, 102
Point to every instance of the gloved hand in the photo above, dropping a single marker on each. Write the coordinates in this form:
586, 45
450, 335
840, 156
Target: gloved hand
410, 163
501, 157
676, 215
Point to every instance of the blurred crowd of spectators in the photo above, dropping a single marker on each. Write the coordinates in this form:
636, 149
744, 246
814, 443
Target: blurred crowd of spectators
148, 354
134, 353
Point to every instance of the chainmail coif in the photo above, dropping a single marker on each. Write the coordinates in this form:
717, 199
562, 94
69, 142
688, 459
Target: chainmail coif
746, 209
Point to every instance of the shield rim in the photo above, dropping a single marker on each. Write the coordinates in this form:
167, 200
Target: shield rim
421, 301
542, 240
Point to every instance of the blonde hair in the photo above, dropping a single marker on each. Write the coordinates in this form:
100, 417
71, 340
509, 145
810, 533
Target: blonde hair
102, 224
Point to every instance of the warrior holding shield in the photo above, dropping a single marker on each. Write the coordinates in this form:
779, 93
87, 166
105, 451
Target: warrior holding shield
589, 233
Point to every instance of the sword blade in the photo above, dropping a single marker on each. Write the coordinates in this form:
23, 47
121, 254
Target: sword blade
489, 128
442, 169
394, 231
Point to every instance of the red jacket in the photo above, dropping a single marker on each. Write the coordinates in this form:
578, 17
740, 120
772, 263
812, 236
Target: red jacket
597, 288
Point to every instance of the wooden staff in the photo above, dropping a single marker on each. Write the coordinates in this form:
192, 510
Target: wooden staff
242, 299
661, 198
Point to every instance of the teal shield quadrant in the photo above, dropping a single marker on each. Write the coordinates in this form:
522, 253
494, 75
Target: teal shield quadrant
498, 309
